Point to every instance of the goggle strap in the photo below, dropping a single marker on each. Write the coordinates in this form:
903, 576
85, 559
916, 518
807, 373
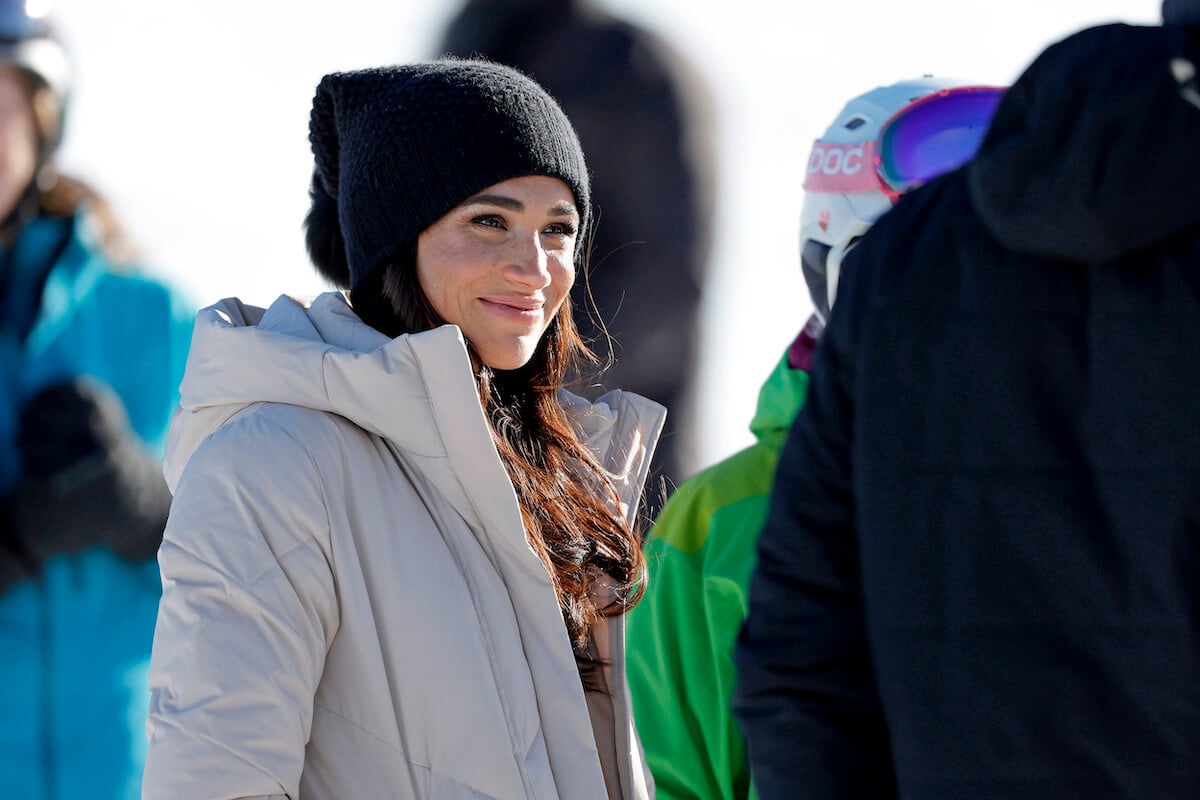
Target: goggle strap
841, 168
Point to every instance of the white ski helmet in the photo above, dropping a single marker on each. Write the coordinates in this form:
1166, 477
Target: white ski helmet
867, 158
29, 41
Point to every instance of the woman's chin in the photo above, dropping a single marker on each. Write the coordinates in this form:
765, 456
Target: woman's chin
503, 359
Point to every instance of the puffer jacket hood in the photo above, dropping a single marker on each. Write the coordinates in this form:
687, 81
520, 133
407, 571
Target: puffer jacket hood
1092, 153
243, 355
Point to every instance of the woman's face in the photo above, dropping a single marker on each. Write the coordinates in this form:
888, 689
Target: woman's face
500, 265
18, 139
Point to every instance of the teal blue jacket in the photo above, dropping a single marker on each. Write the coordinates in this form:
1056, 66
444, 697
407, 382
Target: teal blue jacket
680, 637
75, 640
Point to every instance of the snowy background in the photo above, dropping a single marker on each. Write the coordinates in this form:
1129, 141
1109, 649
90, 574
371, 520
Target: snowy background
192, 117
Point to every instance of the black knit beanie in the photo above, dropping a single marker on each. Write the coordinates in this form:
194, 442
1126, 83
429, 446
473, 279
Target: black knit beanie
397, 147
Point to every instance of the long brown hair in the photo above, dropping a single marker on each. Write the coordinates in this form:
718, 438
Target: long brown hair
571, 511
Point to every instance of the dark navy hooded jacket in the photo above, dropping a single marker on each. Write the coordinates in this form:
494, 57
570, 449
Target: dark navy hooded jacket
980, 572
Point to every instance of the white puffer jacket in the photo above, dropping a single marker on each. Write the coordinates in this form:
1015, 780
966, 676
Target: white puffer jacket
350, 606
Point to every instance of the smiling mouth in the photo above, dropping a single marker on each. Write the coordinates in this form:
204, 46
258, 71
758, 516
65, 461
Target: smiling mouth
516, 309
517, 303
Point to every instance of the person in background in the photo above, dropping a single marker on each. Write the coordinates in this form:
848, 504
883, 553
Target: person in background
978, 574
645, 118
399, 552
701, 550
91, 353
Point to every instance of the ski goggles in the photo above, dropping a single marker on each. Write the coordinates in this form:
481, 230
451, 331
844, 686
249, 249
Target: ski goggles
929, 136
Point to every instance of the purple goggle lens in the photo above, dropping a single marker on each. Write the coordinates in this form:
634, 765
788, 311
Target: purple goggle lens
934, 134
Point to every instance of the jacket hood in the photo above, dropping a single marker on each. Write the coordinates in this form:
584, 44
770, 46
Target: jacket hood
322, 356
1092, 153
783, 392
242, 355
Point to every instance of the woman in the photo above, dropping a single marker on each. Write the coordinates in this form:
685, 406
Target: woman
92, 349
398, 552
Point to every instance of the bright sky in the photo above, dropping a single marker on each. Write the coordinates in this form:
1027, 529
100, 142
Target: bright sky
192, 117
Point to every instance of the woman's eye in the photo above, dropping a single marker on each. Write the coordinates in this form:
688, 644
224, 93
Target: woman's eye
561, 229
489, 220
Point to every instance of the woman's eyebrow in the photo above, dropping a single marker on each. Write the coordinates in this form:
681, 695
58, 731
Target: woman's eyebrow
563, 209
501, 200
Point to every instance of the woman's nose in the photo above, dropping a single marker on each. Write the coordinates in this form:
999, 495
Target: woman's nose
528, 262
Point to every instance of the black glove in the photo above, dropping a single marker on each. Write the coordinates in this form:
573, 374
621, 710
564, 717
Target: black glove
86, 478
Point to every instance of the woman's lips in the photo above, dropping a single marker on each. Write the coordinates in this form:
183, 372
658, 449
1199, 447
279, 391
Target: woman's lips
517, 308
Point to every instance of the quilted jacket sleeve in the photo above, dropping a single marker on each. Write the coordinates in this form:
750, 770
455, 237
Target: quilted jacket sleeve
247, 613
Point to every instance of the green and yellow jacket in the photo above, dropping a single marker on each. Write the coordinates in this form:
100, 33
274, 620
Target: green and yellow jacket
700, 554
